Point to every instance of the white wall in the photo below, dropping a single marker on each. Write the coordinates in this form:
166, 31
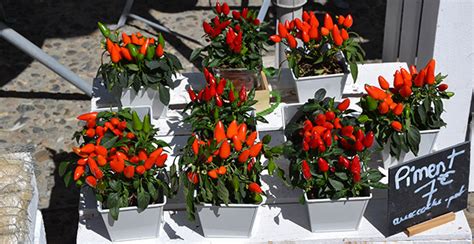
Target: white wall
454, 53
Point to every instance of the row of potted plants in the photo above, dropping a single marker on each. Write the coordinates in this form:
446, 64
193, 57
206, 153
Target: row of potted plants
328, 146
141, 72
219, 169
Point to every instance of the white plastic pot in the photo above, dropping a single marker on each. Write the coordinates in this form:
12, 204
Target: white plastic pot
307, 86
148, 97
232, 220
134, 225
427, 140
326, 215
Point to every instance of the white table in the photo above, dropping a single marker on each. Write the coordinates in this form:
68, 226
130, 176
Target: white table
282, 219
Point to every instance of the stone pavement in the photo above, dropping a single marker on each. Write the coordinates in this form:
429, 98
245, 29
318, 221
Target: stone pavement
39, 108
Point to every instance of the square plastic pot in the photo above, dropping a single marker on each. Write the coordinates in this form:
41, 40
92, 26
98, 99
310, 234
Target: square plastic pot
144, 97
427, 140
307, 86
134, 225
232, 220
326, 215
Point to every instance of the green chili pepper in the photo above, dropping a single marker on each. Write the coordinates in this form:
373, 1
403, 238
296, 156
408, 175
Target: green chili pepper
371, 104
146, 123
150, 52
133, 49
406, 112
216, 114
137, 123
105, 31
450, 94
161, 40
235, 183
140, 57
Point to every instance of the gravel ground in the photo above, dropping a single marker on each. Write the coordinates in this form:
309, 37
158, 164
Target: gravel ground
39, 107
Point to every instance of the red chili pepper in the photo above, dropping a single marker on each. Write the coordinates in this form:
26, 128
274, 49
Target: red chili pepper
405, 91
344, 34
244, 156
420, 78
245, 11
340, 20
398, 109
291, 41
336, 35
212, 174
237, 143
140, 169
221, 86
144, 47
78, 172
225, 9
91, 181
348, 21
87, 116
398, 80
306, 170
193, 177
159, 51
236, 15
430, 72
125, 39
242, 94
160, 160
275, 38
129, 172
328, 24
383, 83
323, 165
344, 104
282, 31
221, 170
324, 31
255, 149
255, 188
443, 87
242, 132
413, 70
313, 21
368, 139
396, 125
219, 101
383, 108
219, 132
343, 161
251, 138
195, 146
117, 165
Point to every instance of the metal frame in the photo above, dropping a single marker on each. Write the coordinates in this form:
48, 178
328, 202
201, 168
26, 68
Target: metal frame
34, 51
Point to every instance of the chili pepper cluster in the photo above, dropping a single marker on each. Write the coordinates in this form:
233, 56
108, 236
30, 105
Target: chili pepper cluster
393, 100
309, 31
327, 132
214, 92
230, 26
229, 150
135, 47
102, 157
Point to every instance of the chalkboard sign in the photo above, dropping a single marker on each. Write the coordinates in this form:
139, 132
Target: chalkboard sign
427, 187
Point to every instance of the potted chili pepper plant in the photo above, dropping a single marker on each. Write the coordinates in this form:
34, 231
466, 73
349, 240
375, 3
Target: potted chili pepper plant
321, 59
140, 71
406, 117
328, 151
236, 44
222, 161
124, 165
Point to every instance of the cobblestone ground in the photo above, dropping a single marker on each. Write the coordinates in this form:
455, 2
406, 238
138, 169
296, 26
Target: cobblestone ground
39, 108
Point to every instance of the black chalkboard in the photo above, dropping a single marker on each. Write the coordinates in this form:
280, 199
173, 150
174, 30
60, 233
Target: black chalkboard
427, 187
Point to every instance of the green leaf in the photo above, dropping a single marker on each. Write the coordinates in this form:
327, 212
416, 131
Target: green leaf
108, 143
413, 137
222, 192
115, 185
235, 183
336, 184
152, 190
266, 139
341, 175
363, 118
271, 166
164, 94
354, 71
143, 200
114, 212
68, 178
113, 200
62, 168
132, 67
